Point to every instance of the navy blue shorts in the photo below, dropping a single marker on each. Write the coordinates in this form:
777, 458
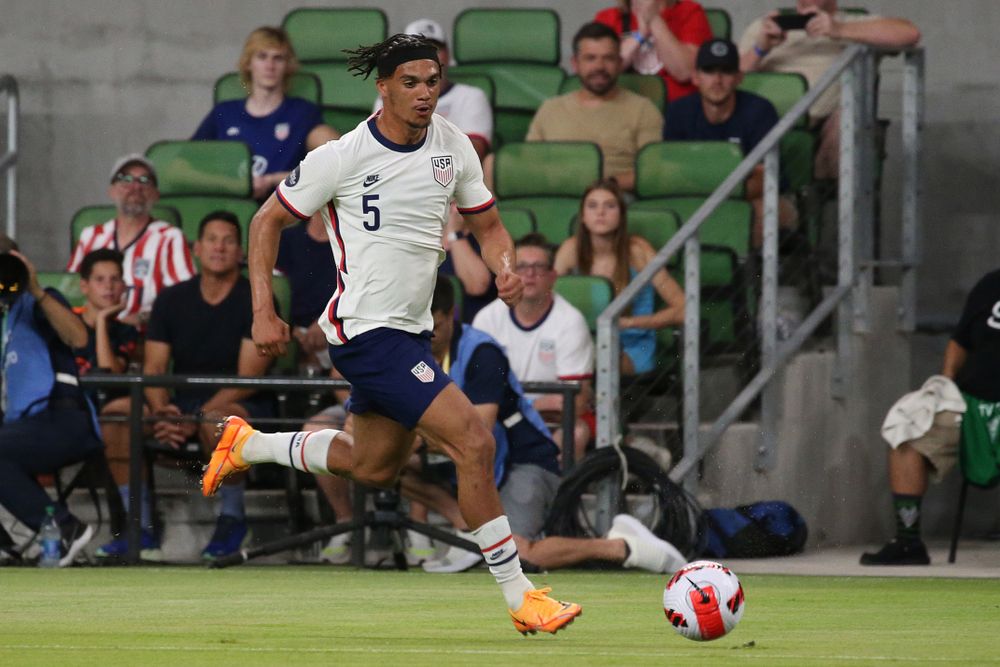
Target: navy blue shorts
391, 372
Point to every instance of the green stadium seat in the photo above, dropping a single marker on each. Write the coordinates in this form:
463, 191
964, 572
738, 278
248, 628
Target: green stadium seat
303, 84
89, 216
548, 178
588, 294
649, 86
782, 89
655, 225
347, 99
323, 33
194, 208
66, 282
518, 221
202, 167
798, 150
520, 90
685, 168
506, 35
287, 363
729, 225
483, 82
719, 22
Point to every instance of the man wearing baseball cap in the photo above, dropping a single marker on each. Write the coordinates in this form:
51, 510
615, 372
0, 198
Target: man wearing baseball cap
155, 252
465, 106
721, 112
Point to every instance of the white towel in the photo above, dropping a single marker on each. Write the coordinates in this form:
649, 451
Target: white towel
913, 415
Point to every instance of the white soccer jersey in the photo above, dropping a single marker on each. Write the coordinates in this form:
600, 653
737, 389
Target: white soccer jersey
385, 205
158, 258
465, 106
558, 347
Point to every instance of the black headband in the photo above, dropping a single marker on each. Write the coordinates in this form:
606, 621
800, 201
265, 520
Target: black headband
388, 63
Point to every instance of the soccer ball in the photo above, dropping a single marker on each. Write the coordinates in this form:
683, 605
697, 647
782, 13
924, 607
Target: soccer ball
703, 600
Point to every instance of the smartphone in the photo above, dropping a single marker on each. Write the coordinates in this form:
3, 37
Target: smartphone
792, 21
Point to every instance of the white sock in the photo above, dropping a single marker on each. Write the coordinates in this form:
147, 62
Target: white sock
500, 553
302, 450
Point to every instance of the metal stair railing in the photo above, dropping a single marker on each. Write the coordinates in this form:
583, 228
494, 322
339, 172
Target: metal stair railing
855, 69
8, 161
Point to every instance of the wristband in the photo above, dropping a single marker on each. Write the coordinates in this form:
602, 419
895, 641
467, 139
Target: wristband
456, 236
637, 36
759, 51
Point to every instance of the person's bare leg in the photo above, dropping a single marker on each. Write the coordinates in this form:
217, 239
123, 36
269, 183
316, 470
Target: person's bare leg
907, 471
551, 553
116, 438
827, 165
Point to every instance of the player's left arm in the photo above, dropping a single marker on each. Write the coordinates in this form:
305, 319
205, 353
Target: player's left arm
498, 252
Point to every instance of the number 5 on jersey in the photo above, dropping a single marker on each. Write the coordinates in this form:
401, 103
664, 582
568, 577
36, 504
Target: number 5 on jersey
368, 207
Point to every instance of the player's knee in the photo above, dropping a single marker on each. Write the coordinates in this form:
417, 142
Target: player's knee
382, 478
478, 449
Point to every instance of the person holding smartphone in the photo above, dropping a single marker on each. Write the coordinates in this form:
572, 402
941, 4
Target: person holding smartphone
807, 45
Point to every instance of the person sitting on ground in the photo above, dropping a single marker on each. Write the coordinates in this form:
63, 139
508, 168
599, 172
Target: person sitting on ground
111, 346
660, 37
48, 423
972, 361
721, 112
765, 47
545, 338
527, 467
155, 252
618, 120
280, 130
203, 327
602, 246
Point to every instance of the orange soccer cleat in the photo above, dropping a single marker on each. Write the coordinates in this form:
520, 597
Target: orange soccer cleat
226, 458
541, 613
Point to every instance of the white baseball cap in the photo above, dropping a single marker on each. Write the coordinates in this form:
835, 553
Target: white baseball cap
428, 28
132, 158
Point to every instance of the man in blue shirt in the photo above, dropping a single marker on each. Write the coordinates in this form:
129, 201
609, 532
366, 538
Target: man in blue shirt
720, 112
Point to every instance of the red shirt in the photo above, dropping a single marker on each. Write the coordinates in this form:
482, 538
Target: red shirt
686, 20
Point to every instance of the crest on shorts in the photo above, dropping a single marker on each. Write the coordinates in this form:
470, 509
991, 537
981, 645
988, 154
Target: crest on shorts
444, 169
281, 131
423, 372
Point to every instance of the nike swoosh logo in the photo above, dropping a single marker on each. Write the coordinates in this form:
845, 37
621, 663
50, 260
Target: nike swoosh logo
371, 180
495, 557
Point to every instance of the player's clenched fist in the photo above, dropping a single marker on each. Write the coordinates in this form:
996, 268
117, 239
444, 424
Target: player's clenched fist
270, 334
509, 287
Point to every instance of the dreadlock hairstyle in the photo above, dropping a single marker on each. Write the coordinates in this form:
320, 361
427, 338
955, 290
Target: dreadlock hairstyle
384, 57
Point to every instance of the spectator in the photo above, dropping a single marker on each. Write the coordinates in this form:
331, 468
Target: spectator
720, 112
527, 466
203, 327
155, 252
660, 37
110, 346
48, 422
765, 47
545, 338
465, 106
280, 130
617, 120
603, 247
972, 361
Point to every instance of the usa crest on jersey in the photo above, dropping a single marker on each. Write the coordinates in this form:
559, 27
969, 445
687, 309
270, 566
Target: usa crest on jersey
281, 131
444, 169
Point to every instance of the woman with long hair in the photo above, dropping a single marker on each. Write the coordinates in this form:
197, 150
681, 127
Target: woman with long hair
603, 247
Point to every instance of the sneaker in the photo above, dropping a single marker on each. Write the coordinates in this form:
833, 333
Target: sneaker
149, 548
75, 536
455, 559
541, 613
228, 537
337, 551
646, 550
418, 548
226, 458
899, 552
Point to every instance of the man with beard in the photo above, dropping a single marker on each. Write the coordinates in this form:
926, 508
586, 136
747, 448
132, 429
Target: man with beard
155, 253
619, 121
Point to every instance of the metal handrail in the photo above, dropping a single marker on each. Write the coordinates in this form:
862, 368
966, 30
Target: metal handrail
136, 383
8, 161
856, 67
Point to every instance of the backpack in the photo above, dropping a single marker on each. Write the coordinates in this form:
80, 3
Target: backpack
757, 530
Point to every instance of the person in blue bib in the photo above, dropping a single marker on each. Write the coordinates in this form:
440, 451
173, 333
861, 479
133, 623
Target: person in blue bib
48, 422
279, 129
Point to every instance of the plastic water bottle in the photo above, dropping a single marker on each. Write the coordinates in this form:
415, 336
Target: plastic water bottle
51, 539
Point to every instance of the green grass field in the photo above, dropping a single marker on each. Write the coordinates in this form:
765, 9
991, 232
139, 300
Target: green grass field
306, 615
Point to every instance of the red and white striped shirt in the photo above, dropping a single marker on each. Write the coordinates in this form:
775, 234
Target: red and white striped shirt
157, 258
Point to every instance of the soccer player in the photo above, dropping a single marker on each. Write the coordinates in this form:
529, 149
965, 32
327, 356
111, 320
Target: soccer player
384, 190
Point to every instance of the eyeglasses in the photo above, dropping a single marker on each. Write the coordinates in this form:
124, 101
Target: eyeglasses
537, 267
129, 178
